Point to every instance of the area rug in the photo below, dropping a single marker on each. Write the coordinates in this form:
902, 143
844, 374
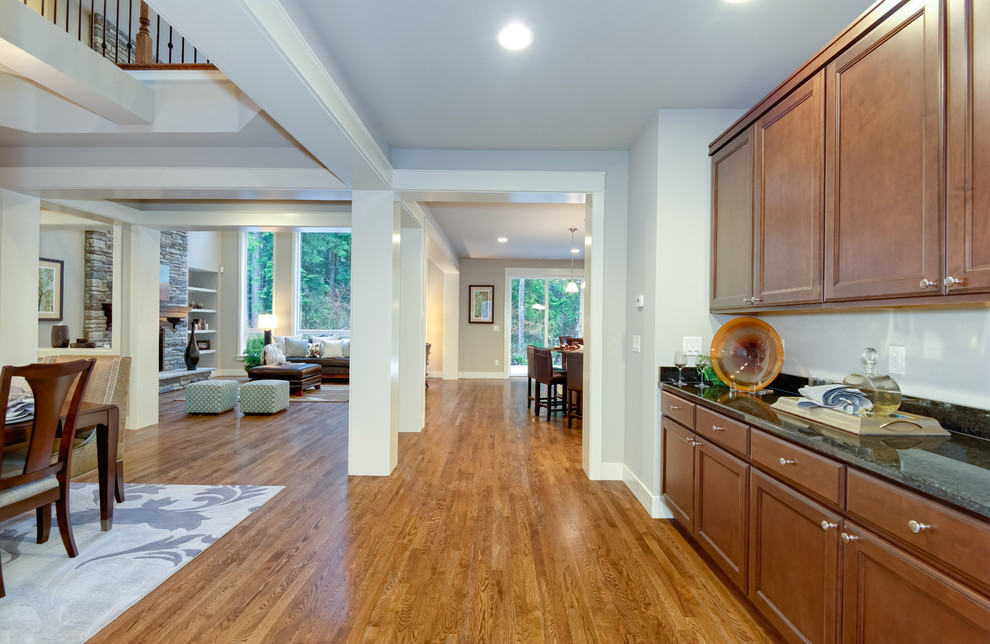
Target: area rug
326, 393
159, 529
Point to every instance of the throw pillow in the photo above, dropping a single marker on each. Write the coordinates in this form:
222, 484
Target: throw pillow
333, 348
272, 355
279, 341
347, 348
296, 347
313, 351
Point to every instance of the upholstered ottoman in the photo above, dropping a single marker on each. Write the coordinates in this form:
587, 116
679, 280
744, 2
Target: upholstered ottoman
264, 396
300, 376
211, 396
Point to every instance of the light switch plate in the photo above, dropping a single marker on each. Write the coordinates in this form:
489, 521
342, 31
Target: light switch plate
896, 359
691, 345
636, 345
495, 328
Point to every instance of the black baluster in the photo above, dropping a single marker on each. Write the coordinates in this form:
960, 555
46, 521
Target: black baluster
104, 28
130, 22
182, 41
170, 44
158, 37
116, 33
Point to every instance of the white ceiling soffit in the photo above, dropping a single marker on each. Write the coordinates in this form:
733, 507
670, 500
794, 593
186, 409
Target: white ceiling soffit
434, 76
534, 231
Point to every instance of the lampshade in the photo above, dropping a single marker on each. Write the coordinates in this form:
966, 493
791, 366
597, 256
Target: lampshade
267, 321
571, 287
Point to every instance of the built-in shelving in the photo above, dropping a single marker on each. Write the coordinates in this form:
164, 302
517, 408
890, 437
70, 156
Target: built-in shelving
203, 290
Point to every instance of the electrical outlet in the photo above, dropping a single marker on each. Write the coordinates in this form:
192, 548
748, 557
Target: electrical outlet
495, 328
691, 345
497, 363
895, 359
636, 344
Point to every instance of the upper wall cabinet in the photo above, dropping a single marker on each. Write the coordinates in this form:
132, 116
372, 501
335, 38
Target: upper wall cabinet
967, 225
787, 233
732, 223
882, 145
871, 170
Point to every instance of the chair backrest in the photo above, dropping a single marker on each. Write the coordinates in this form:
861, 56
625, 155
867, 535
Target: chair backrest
50, 384
575, 371
109, 381
544, 364
530, 361
573, 340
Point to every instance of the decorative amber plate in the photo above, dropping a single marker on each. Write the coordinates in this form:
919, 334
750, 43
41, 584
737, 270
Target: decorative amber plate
747, 353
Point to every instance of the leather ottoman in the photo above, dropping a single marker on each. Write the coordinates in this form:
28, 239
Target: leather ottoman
300, 376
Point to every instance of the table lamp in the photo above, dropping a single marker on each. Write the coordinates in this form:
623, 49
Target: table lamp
268, 322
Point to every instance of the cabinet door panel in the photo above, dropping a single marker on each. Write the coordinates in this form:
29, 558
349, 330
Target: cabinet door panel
793, 562
732, 223
677, 476
889, 596
882, 205
722, 519
787, 239
967, 233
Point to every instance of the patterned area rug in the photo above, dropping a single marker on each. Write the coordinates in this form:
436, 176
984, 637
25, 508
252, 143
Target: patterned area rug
326, 393
159, 529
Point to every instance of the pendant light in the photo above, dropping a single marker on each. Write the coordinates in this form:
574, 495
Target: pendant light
572, 286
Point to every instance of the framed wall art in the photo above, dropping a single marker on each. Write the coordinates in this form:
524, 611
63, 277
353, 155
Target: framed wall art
481, 300
50, 289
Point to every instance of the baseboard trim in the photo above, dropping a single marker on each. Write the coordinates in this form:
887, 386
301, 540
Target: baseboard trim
653, 503
488, 375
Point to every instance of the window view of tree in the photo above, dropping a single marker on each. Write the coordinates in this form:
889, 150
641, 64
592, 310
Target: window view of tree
325, 281
258, 271
541, 312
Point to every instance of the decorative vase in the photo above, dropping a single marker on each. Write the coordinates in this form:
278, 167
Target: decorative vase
192, 351
60, 336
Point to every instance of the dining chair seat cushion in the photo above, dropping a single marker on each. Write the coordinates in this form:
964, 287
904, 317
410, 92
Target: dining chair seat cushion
12, 465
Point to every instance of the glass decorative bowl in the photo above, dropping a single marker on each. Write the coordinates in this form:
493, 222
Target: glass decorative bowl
747, 354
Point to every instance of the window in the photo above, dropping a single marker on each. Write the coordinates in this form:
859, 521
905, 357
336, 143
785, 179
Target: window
324, 282
259, 261
541, 312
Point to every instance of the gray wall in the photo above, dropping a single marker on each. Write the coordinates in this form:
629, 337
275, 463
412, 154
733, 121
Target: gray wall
68, 246
434, 318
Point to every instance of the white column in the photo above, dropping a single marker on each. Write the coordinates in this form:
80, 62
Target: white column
412, 333
592, 426
138, 324
451, 324
286, 282
373, 443
20, 241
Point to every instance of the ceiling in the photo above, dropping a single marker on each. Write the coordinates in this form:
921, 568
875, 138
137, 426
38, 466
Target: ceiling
433, 76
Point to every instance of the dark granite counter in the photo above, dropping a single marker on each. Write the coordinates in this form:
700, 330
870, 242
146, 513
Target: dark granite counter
954, 469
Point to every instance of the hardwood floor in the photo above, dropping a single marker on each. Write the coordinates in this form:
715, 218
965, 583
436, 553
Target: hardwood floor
487, 531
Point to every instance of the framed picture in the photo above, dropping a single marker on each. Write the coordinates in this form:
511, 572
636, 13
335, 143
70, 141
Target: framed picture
203, 345
50, 289
481, 301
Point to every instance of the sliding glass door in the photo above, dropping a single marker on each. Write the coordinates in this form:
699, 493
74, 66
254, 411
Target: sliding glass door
541, 311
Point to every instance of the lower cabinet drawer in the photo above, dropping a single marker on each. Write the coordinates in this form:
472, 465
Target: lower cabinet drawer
723, 431
950, 540
677, 408
820, 476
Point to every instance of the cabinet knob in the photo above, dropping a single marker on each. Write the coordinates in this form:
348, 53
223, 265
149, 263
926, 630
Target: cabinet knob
846, 538
787, 461
747, 300
927, 283
716, 428
826, 525
916, 527
950, 281
754, 300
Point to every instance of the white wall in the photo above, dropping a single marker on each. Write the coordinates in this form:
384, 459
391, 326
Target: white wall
70, 247
434, 318
204, 250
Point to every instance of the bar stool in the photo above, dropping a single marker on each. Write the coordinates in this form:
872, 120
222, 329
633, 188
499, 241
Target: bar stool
547, 375
574, 387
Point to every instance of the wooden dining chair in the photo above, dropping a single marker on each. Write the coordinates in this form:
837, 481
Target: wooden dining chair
574, 389
552, 378
530, 375
32, 477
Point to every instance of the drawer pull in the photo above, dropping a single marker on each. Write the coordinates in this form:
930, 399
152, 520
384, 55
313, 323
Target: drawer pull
846, 538
927, 283
673, 407
787, 461
826, 525
916, 527
716, 428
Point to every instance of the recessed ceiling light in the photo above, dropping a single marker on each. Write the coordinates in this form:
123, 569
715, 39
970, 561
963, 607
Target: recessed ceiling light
515, 35
735, 1
502, 240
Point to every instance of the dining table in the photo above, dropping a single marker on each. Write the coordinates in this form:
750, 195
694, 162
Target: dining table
106, 418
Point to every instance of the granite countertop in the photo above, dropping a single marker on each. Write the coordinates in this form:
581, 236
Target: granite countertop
955, 469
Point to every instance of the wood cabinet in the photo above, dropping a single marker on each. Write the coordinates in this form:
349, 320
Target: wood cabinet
793, 561
788, 199
967, 223
677, 471
882, 147
889, 596
722, 510
732, 223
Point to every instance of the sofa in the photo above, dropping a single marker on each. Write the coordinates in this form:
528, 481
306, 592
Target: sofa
332, 353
